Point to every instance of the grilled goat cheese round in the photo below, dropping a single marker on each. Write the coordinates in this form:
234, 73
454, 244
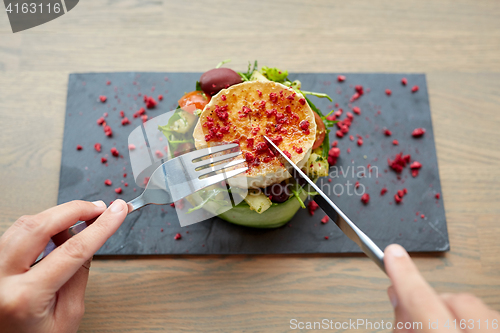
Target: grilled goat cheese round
243, 113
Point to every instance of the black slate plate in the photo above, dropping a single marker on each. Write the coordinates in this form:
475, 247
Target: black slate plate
82, 173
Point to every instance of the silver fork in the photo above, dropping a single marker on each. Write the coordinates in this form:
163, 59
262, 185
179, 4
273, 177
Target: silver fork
172, 181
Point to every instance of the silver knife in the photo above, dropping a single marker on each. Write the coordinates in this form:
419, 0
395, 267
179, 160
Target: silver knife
341, 220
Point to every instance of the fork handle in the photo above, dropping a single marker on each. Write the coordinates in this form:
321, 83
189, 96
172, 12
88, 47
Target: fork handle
64, 235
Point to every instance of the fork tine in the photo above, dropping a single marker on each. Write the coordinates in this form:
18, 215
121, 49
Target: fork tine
211, 150
218, 167
202, 183
213, 160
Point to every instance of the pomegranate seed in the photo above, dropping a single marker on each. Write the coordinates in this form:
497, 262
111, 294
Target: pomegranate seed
383, 191
131, 146
418, 132
122, 114
79, 147
414, 89
108, 82
334, 152
356, 185
160, 97
395, 142
341, 78
118, 190
356, 110
401, 193
339, 134
103, 99
125, 121
387, 132
312, 206
150, 102
397, 198
97, 147
415, 165
115, 152
108, 182
360, 142
327, 238
325, 219
388, 92
351, 137
100, 121
437, 196
159, 154
422, 216
177, 236
104, 160
365, 198
404, 81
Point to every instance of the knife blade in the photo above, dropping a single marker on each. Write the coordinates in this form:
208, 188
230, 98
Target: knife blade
336, 214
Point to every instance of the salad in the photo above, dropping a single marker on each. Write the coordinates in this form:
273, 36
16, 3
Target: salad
240, 107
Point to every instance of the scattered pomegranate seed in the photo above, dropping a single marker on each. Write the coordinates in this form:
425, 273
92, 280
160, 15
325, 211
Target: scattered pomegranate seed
395, 142
108, 131
437, 196
118, 190
404, 81
383, 191
124, 175
388, 92
422, 216
104, 160
339, 134
356, 110
122, 114
223, 97
397, 198
160, 97
79, 147
356, 185
387, 132
341, 78
325, 219
131, 146
159, 154
401, 193
365, 198
97, 147
312, 206
177, 236
125, 121
108, 182
115, 152
360, 142
414, 89
418, 132
327, 238
100, 121
416, 165
108, 83
103, 99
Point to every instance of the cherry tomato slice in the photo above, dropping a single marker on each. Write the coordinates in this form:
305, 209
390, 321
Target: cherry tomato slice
193, 100
320, 131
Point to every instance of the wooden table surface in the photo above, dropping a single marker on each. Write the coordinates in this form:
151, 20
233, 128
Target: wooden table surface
455, 42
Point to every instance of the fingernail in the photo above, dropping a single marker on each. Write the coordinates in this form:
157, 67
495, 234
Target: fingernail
398, 251
117, 206
99, 203
392, 297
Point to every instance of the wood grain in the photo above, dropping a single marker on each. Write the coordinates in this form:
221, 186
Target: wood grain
456, 43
